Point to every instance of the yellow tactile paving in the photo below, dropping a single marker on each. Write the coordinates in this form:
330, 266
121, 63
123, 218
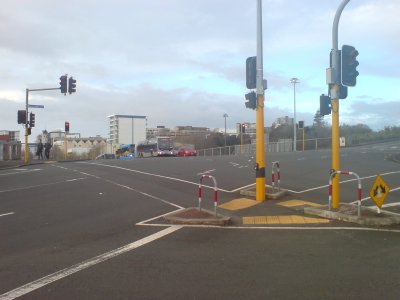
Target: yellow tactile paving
239, 203
294, 202
282, 220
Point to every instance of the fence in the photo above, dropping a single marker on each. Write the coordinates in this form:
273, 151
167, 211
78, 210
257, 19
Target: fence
285, 145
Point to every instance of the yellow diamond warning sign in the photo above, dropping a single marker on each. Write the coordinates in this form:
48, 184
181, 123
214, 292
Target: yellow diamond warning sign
379, 191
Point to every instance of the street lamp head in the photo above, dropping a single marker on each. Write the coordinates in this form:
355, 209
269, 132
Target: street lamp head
225, 115
294, 80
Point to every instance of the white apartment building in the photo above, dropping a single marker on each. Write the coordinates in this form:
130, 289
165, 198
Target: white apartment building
127, 129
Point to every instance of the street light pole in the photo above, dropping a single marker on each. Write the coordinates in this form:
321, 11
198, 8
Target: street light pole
225, 116
294, 80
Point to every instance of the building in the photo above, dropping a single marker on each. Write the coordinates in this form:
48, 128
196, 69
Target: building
10, 145
158, 131
9, 136
127, 129
189, 130
282, 121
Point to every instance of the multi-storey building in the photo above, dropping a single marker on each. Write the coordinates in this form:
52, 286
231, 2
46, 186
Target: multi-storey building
127, 129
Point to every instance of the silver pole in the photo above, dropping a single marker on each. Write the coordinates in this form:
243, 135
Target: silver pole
294, 81
259, 61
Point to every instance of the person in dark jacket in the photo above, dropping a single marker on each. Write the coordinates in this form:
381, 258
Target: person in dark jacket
40, 150
47, 148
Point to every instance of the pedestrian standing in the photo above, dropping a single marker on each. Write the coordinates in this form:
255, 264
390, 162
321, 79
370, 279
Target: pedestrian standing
47, 148
40, 150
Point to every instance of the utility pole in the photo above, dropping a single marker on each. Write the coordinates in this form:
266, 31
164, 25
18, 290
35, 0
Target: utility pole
225, 116
260, 147
333, 80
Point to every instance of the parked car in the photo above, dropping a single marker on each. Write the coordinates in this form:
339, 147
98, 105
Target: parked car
187, 152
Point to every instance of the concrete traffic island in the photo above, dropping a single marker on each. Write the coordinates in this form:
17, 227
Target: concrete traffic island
271, 195
349, 213
195, 216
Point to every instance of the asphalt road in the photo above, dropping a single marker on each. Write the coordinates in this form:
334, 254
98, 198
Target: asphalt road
91, 230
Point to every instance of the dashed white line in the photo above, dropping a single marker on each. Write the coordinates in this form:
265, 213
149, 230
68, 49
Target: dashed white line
41, 282
23, 171
7, 214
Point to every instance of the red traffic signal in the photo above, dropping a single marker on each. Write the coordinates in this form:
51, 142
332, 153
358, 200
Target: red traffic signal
66, 126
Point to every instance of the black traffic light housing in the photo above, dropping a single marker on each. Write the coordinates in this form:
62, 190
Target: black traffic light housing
251, 100
71, 85
301, 124
32, 120
63, 84
21, 117
324, 105
66, 126
243, 128
251, 72
349, 65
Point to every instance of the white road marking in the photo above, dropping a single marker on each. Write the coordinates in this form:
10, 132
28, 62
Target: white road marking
344, 181
75, 179
151, 174
23, 171
36, 186
160, 216
41, 282
206, 172
7, 214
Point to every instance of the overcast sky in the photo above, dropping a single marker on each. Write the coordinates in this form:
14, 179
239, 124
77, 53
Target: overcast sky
182, 62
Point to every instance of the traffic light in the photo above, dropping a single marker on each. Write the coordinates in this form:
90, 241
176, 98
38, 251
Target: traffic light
251, 72
66, 126
342, 92
251, 100
32, 120
301, 124
324, 105
63, 84
22, 117
243, 130
71, 85
349, 65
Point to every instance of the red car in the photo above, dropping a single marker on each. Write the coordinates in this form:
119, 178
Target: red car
187, 152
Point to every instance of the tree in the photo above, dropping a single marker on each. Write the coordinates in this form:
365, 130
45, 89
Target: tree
318, 120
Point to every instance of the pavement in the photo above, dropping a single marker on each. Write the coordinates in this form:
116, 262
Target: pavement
11, 164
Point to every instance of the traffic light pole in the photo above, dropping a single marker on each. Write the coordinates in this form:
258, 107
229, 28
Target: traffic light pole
335, 91
26, 153
260, 147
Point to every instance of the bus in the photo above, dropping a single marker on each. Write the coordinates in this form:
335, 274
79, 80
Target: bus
125, 151
159, 146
